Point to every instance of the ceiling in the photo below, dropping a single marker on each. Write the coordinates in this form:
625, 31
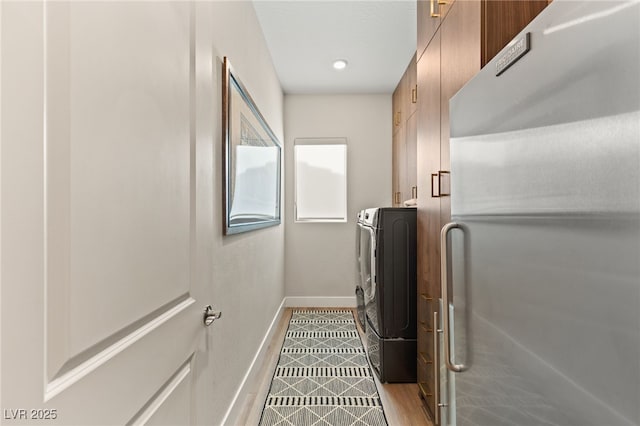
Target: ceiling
376, 37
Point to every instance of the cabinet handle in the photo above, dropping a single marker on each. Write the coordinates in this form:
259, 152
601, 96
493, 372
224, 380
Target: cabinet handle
414, 95
445, 176
436, 182
414, 192
424, 358
437, 185
423, 389
442, 1
397, 119
433, 10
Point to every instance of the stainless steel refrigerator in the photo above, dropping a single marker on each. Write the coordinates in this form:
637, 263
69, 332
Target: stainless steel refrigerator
541, 262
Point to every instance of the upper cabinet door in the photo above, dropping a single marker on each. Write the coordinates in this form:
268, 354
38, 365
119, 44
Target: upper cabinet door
430, 13
411, 141
412, 85
396, 165
396, 107
428, 23
503, 20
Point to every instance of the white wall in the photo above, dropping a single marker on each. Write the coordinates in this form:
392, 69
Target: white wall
248, 268
320, 257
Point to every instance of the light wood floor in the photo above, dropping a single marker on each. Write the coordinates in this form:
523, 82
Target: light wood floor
401, 402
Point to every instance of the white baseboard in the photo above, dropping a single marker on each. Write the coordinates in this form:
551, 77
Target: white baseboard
248, 384
320, 302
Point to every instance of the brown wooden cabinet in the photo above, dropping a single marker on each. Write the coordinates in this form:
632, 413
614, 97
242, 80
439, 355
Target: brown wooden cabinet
404, 179
399, 181
411, 88
466, 35
428, 214
503, 20
411, 147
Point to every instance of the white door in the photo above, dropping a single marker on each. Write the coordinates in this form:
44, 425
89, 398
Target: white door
102, 302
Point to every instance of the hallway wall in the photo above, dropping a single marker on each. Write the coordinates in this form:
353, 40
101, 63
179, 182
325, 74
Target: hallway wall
248, 268
320, 257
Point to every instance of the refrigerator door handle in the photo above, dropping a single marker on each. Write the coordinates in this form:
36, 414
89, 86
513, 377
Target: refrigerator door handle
436, 369
444, 287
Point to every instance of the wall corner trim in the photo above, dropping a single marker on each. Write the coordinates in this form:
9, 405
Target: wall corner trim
237, 405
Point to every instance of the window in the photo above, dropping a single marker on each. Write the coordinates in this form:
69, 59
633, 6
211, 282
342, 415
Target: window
320, 180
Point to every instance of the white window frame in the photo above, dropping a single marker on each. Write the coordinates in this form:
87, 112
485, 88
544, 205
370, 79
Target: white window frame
320, 141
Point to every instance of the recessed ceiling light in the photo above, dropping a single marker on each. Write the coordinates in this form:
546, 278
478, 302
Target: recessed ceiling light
339, 64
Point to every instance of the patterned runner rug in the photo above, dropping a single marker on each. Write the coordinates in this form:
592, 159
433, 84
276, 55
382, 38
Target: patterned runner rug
322, 376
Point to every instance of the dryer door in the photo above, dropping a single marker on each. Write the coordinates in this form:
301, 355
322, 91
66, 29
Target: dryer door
359, 232
369, 285
358, 274
364, 259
